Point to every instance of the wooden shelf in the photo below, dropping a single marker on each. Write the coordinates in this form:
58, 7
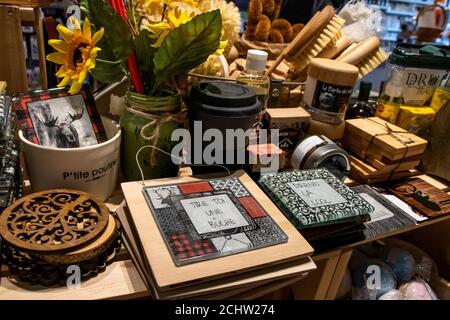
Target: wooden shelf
26, 3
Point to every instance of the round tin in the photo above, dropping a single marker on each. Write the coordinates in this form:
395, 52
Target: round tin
320, 152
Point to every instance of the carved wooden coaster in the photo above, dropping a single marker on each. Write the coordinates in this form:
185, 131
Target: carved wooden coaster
91, 250
53, 221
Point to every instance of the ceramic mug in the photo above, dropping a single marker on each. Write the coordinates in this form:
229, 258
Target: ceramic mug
93, 169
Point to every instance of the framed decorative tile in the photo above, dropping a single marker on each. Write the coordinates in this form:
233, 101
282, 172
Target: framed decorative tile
206, 220
386, 217
232, 185
311, 198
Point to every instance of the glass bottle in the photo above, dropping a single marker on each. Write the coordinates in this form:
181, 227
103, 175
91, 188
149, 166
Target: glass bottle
362, 108
254, 77
391, 99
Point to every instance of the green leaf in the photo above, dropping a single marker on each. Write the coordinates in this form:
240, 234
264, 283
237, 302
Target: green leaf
144, 58
84, 7
188, 46
106, 70
107, 73
117, 33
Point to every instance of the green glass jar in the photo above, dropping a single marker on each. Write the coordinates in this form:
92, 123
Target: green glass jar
142, 115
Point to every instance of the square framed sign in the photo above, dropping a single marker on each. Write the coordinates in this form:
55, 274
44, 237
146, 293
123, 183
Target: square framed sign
53, 118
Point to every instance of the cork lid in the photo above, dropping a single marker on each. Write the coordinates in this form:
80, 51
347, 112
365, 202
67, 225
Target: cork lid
331, 71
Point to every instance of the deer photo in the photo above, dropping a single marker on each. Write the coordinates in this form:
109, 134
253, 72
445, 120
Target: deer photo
64, 131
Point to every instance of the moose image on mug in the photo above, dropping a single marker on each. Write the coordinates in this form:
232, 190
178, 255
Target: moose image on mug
62, 122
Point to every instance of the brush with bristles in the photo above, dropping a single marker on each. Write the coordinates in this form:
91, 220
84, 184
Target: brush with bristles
322, 29
365, 55
330, 34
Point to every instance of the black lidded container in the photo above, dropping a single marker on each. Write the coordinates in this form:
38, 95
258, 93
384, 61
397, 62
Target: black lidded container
220, 105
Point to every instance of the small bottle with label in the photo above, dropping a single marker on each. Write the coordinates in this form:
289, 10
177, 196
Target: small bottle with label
391, 99
254, 77
362, 108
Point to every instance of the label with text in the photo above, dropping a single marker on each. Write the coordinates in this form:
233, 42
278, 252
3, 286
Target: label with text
316, 193
213, 213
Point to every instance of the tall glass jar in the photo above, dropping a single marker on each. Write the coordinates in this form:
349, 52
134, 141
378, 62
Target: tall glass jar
150, 121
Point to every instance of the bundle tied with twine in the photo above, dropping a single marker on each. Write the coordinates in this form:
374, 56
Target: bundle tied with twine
156, 121
393, 133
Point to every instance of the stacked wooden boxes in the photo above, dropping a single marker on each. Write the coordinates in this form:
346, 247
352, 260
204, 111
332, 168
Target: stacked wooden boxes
381, 151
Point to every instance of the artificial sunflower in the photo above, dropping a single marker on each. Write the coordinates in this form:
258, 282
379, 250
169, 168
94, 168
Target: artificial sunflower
176, 14
76, 52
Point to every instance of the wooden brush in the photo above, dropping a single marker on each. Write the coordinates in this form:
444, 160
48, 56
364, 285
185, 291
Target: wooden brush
334, 49
316, 35
366, 55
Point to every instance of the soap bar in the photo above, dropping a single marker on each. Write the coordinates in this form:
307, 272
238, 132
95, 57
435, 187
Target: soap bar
415, 119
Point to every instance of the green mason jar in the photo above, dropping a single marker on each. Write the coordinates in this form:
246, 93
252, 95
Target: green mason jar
142, 115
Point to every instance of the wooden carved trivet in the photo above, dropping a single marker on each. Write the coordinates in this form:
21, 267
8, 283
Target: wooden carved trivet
53, 221
93, 249
26, 269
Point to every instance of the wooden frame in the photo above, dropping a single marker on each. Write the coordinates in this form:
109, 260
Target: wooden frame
167, 275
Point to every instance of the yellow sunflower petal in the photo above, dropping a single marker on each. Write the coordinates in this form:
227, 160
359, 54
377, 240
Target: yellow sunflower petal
62, 72
75, 23
97, 36
59, 45
87, 28
94, 52
65, 33
57, 57
75, 87
64, 82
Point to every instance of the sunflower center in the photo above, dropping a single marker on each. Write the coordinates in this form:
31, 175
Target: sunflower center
78, 54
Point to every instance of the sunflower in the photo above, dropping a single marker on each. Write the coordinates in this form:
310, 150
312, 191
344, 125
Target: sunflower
76, 52
176, 14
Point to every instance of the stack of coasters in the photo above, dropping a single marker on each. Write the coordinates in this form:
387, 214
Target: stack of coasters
47, 232
11, 184
188, 235
386, 217
292, 124
380, 150
324, 209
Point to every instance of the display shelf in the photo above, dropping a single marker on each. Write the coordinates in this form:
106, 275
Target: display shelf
400, 13
425, 3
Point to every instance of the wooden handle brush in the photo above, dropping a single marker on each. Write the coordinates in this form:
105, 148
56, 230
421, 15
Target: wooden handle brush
355, 53
299, 43
335, 49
